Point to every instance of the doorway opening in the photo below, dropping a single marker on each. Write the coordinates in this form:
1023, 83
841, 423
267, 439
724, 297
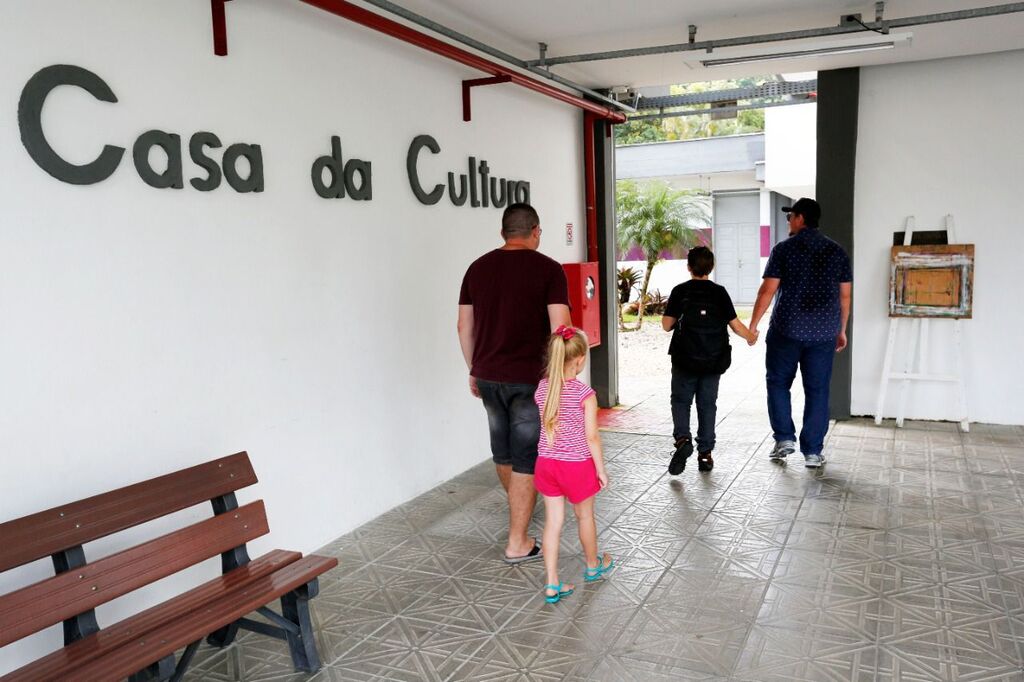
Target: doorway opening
739, 156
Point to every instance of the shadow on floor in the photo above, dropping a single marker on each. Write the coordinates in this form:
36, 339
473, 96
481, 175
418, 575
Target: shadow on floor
903, 559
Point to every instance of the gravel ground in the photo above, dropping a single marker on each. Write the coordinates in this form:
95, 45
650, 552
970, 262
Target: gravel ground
644, 353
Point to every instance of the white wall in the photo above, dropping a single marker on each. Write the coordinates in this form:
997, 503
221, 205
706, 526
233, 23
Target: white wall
665, 275
147, 330
924, 153
790, 149
708, 155
714, 182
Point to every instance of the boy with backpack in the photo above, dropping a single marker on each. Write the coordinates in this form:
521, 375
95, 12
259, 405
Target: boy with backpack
698, 314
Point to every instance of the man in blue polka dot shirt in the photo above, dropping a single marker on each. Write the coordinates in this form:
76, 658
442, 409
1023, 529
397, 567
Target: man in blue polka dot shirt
812, 276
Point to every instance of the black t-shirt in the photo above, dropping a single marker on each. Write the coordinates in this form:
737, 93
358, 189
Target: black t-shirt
702, 290
510, 292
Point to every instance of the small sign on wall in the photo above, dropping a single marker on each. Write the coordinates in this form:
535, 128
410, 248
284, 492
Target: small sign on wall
569, 236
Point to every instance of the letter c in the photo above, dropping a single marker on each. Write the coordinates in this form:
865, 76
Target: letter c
30, 109
418, 143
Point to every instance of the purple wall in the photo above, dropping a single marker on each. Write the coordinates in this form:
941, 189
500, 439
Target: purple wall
636, 254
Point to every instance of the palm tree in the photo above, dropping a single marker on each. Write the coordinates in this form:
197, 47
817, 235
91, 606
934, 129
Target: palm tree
657, 218
628, 279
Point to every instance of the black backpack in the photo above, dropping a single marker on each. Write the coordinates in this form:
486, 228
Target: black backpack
700, 343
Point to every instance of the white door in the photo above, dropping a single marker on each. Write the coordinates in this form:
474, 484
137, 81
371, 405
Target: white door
736, 241
725, 244
749, 263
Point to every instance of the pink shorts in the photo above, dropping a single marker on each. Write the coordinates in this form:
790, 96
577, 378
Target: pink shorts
576, 481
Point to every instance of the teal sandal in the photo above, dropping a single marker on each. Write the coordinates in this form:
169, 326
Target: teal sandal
559, 592
597, 572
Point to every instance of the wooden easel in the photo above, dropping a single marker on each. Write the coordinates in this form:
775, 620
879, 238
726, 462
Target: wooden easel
917, 358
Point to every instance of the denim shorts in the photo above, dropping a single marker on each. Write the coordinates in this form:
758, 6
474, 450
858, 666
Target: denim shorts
514, 422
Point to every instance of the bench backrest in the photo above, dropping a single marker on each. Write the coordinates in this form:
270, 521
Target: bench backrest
81, 586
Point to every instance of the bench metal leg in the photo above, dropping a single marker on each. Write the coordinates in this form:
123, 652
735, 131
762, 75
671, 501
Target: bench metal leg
185, 661
230, 560
223, 637
302, 645
84, 624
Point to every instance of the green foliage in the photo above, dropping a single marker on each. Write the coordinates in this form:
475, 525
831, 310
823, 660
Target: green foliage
751, 120
657, 218
695, 127
654, 304
627, 280
639, 132
631, 317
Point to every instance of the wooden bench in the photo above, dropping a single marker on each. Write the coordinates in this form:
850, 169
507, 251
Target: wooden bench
143, 646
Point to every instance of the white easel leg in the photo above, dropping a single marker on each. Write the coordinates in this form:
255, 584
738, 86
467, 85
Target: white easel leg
913, 363
961, 382
890, 345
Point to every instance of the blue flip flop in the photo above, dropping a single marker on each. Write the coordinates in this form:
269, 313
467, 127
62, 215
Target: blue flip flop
559, 593
596, 573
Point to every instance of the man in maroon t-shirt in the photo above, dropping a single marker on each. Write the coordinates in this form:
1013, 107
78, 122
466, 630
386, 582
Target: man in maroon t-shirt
512, 298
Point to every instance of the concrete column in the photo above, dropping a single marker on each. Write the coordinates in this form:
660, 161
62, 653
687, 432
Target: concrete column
838, 102
604, 359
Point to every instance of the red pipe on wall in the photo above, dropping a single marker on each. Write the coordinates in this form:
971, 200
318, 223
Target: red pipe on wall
591, 110
590, 180
220, 31
414, 37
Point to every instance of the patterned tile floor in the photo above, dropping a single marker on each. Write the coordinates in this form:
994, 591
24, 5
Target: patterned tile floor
903, 559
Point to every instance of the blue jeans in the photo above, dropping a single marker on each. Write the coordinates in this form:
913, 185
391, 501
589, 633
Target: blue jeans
686, 387
782, 357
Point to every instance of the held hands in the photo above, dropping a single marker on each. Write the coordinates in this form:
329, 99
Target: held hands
752, 336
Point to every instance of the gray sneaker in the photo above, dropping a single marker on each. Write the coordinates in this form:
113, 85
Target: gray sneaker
782, 449
813, 461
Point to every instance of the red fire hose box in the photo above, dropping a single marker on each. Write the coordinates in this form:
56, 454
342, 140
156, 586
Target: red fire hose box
583, 298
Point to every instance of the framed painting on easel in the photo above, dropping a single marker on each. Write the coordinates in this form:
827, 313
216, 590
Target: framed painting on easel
927, 281
932, 281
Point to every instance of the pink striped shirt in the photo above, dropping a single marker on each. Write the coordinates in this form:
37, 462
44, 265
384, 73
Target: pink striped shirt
571, 433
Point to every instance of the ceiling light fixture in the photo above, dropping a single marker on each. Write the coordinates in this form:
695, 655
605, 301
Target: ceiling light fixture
797, 54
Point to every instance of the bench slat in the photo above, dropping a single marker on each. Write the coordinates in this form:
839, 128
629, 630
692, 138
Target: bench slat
58, 664
139, 653
51, 601
42, 534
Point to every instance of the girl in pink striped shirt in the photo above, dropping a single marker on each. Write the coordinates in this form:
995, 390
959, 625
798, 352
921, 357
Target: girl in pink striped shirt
570, 462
